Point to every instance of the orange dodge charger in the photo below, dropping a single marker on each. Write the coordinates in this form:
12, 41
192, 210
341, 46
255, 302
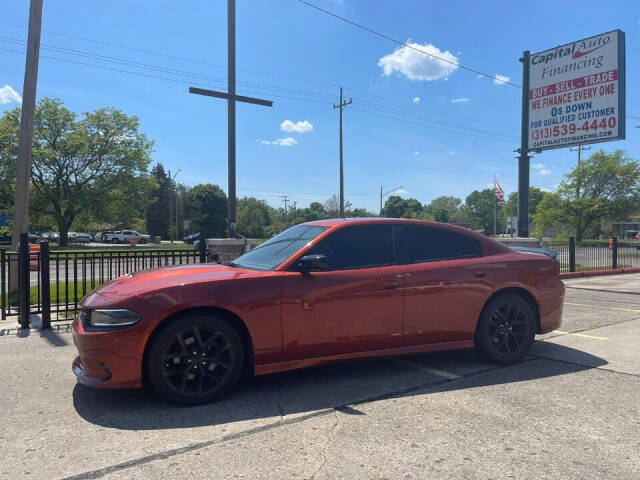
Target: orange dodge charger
319, 292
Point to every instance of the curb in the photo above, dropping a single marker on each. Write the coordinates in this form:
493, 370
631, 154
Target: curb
597, 273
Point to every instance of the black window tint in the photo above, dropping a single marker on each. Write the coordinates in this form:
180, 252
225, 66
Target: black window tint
358, 247
469, 247
429, 244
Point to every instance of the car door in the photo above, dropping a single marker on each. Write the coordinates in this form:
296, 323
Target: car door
447, 282
353, 305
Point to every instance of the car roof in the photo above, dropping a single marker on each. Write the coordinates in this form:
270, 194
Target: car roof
490, 246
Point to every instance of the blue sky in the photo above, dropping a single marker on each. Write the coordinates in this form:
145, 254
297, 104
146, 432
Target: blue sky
467, 127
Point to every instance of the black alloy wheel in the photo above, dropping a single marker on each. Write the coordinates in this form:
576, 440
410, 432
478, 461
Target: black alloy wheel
506, 329
195, 360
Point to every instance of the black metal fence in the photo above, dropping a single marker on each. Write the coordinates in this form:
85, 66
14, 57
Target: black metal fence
54, 282
592, 255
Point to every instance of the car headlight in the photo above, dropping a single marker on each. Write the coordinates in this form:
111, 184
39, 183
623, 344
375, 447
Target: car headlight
110, 318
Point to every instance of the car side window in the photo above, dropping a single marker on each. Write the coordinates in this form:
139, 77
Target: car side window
356, 247
430, 244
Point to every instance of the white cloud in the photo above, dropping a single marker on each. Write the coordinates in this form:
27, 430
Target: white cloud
451, 152
500, 79
400, 191
298, 127
479, 77
416, 100
419, 66
460, 100
546, 190
9, 95
281, 142
541, 168
416, 152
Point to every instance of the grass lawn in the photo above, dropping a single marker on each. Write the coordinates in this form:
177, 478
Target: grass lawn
59, 291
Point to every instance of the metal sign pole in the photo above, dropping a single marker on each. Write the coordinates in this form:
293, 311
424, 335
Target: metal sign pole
523, 160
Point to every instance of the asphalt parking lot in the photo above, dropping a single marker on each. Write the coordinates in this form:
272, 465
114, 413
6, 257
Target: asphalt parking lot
570, 410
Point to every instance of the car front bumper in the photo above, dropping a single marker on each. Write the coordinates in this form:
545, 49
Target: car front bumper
108, 359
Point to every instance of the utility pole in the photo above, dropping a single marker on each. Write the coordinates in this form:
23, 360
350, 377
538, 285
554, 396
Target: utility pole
170, 208
21, 211
232, 98
341, 106
579, 150
285, 199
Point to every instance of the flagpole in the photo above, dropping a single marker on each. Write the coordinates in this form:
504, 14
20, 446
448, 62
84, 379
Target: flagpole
495, 211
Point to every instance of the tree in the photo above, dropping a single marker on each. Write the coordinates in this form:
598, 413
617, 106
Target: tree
396, 207
253, 217
446, 209
535, 197
158, 211
206, 206
481, 207
604, 187
97, 164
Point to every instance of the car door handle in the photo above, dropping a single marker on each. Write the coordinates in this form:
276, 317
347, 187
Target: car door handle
479, 273
390, 285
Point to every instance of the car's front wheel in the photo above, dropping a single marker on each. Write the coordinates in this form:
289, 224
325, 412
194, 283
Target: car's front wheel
506, 329
195, 359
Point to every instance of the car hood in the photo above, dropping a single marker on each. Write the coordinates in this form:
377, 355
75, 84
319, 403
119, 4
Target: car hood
160, 278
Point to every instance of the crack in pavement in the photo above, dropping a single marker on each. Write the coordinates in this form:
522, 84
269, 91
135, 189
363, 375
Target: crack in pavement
282, 422
326, 445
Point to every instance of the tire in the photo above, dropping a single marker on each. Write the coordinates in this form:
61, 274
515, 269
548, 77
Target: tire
114, 240
506, 330
208, 340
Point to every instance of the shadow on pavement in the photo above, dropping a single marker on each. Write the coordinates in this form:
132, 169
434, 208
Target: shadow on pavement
341, 386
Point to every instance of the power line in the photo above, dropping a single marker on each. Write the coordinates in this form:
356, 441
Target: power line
172, 57
391, 39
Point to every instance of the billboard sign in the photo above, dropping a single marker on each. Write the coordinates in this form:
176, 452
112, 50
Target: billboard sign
577, 93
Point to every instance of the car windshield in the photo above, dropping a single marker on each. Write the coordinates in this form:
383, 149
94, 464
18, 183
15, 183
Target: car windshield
277, 249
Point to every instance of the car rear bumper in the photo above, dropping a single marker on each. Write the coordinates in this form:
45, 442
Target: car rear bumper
107, 359
550, 307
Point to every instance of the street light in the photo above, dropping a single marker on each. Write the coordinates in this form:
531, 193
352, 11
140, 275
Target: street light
383, 195
172, 178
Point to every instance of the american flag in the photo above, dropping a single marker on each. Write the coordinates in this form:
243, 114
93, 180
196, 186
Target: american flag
499, 193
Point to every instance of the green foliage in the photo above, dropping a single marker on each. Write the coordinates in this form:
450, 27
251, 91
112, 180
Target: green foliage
535, 197
157, 214
447, 209
252, 216
207, 207
481, 208
605, 187
94, 165
397, 207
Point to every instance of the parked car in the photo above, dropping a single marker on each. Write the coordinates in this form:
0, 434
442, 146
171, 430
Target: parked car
105, 236
78, 237
190, 239
51, 236
125, 236
636, 241
319, 292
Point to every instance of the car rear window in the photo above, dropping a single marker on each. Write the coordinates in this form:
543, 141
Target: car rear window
427, 244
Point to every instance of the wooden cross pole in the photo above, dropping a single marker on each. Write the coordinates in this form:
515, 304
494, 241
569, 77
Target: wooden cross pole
232, 98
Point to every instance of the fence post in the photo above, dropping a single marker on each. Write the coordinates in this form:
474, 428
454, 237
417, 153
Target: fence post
24, 292
3, 287
203, 246
572, 254
614, 253
46, 285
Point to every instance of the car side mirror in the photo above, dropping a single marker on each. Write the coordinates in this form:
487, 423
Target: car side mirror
309, 263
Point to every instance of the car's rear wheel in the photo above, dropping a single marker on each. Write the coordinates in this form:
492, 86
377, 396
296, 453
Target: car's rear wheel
114, 240
195, 360
506, 329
